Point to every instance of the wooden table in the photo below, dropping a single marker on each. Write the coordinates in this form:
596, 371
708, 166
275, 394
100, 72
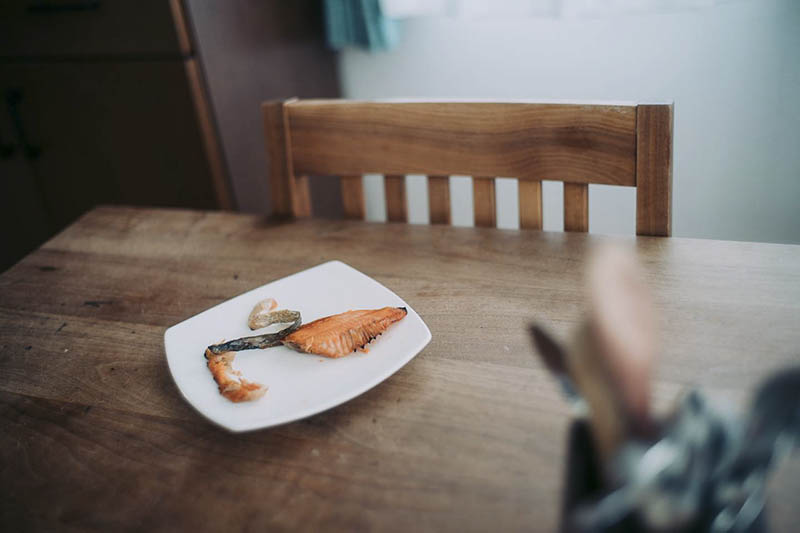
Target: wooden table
470, 435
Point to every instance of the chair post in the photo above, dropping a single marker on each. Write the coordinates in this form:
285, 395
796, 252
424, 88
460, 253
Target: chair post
290, 196
654, 124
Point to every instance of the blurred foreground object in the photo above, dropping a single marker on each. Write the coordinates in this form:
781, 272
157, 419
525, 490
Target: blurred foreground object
696, 470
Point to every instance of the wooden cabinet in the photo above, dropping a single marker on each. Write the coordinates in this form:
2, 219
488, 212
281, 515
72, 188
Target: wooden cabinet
23, 219
146, 102
96, 28
109, 132
103, 103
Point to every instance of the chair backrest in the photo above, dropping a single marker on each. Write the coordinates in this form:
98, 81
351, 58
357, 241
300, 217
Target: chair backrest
613, 144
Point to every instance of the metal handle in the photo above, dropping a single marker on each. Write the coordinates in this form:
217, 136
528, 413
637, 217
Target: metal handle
13, 101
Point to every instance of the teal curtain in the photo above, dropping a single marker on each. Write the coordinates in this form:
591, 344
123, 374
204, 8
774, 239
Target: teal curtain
359, 23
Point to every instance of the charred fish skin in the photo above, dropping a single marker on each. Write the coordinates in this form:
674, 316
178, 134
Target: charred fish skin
339, 335
266, 340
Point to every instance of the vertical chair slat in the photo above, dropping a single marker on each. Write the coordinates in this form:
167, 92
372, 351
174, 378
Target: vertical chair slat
353, 197
654, 170
483, 199
439, 199
576, 207
530, 204
395, 187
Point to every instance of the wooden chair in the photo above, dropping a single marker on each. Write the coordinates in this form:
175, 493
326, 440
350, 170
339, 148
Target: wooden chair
613, 144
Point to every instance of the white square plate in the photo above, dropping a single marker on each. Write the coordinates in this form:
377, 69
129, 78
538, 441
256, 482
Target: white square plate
299, 385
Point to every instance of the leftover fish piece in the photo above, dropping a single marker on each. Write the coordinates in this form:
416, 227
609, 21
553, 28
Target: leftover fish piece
261, 316
231, 384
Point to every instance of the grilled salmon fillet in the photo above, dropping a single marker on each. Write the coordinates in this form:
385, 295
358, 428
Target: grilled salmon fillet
339, 335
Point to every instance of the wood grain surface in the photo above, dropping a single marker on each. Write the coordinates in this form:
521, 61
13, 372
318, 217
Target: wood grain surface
353, 197
395, 192
576, 207
281, 177
571, 142
654, 170
469, 436
483, 200
301, 197
562, 142
530, 204
291, 193
439, 199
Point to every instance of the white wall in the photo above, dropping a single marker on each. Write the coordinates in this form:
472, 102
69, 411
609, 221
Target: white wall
733, 71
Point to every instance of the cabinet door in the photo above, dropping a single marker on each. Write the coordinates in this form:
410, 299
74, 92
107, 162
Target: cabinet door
23, 221
35, 28
110, 133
